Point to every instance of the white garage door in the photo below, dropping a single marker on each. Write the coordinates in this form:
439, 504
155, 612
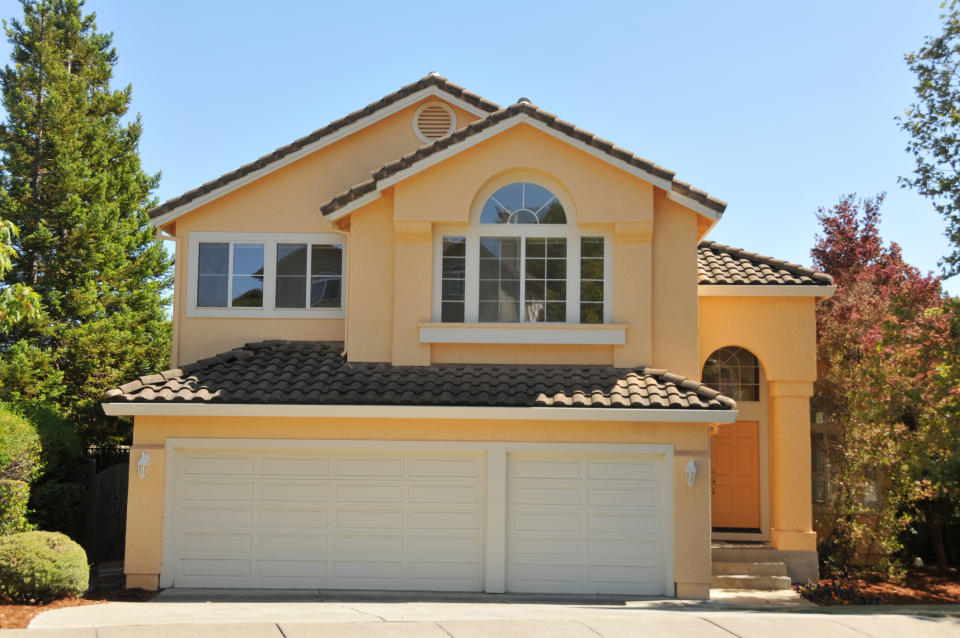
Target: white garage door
344, 520
586, 524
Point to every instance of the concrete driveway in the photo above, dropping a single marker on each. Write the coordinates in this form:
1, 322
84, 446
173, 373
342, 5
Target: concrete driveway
294, 614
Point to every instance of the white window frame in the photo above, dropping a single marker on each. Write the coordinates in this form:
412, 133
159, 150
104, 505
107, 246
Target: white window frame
269, 241
571, 232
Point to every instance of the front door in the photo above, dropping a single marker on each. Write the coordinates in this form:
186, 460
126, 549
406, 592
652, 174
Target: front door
735, 468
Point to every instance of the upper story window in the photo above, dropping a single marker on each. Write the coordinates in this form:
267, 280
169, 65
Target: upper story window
733, 371
265, 275
523, 262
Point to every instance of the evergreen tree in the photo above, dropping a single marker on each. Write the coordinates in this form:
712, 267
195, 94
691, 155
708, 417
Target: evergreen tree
71, 180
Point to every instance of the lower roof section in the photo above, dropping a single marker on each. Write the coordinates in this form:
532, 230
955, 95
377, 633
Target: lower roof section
283, 378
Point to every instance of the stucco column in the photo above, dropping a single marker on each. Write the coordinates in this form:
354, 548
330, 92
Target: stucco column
632, 258
413, 283
692, 563
144, 537
791, 503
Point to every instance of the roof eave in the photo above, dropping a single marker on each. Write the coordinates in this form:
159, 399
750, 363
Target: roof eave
766, 290
671, 415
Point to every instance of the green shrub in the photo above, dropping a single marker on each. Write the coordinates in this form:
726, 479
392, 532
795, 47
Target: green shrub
13, 507
61, 451
58, 507
19, 447
42, 566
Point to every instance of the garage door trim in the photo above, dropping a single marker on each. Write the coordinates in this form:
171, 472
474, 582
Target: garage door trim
496, 452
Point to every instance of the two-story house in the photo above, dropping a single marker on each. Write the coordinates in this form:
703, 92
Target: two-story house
444, 345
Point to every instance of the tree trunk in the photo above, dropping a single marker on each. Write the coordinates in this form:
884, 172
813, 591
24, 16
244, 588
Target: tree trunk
935, 522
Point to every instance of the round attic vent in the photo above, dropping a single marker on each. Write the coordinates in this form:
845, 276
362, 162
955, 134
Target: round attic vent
434, 120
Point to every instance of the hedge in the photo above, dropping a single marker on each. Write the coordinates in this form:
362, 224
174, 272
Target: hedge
19, 447
13, 507
42, 566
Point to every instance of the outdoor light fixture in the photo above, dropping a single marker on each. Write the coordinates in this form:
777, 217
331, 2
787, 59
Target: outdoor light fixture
691, 473
142, 464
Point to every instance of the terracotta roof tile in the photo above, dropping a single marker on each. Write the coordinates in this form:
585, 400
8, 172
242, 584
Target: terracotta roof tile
536, 113
285, 372
725, 265
432, 79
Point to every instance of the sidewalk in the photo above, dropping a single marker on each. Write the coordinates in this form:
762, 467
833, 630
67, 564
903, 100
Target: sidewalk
290, 614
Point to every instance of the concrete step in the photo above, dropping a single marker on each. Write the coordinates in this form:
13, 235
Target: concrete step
739, 581
750, 569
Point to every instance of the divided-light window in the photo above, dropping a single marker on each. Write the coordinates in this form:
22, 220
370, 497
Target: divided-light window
523, 263
277, 275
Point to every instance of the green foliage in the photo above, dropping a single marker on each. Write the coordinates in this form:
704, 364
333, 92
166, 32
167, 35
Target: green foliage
59, 507
17, 301
933, 123
14, 496
42, 566
19, 447
71, 180
876, 381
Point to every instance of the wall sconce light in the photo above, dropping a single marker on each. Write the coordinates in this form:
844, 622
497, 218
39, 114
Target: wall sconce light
142, 464
691, 473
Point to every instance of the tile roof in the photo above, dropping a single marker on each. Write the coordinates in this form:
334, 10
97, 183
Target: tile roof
536, 113
432, 79
725, 265
317, 373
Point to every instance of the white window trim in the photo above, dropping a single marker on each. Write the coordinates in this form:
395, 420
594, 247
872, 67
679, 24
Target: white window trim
269, 241
473, 233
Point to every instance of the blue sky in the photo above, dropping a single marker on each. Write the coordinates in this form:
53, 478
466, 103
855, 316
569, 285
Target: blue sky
777, 108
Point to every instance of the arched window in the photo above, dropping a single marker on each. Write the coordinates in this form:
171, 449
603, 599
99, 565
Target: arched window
735, 372
522, 262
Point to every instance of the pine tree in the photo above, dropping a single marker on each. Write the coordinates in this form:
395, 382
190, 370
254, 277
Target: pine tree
71, 180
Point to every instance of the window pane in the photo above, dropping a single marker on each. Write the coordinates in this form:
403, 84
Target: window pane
292, 260
248, 259
326, 275
591, 313
591, 279
213, 262
522, 203
213, 258
451, 311
291, 276
325, 291
212, 291
557, 311
247, 289
453, 275
556, 247
247, 292
326, 260
499, 278
733, 371
292, 291
556, 269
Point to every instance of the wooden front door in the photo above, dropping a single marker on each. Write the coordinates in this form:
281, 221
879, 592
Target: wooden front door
735, 469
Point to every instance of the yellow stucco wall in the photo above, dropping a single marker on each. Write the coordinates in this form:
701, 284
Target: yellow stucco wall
691, 441
285, 201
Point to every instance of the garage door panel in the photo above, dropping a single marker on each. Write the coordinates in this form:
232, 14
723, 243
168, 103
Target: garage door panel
215, 516
365, 545
369, 467
275, 491
301, 466
218, 490
272, 517
431, 466
444, 493
212, 568
443, 519
624, 524
224, 542
448, 545
292, 543
368, 493
301, 568
639, 497
217, 465
364, 519
585, 523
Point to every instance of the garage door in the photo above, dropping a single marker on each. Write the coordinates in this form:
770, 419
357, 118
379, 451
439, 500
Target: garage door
585, 524
344, 520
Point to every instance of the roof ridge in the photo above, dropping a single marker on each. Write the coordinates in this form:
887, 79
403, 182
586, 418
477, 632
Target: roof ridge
431, 79
535, 112
791, 267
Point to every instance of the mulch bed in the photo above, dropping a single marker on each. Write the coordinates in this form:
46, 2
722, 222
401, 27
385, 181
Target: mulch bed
15, 615
919, 587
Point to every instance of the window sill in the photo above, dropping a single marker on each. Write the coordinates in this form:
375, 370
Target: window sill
531, 333
261, 313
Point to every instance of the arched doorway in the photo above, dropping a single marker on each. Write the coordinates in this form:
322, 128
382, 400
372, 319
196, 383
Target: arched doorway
735, 455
